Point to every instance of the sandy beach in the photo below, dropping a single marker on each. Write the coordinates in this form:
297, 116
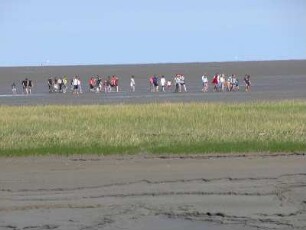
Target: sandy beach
143, 192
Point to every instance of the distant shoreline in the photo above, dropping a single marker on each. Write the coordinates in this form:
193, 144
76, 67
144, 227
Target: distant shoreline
153, 63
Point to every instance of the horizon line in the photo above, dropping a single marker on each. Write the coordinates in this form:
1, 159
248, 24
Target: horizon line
146, 63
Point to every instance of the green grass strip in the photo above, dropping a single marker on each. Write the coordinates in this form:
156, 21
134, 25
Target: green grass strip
169, 128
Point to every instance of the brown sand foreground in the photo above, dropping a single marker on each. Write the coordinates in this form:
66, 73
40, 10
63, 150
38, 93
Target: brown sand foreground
252, 192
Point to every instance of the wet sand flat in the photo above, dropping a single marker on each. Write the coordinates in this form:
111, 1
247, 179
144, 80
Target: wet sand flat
142, 192
271, 80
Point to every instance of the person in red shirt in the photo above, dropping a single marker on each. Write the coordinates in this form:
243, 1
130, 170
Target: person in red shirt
215, 82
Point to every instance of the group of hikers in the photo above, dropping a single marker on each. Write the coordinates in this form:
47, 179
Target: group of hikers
26, 85
155, 83
222, 83
164, 84
57, 85
97, 84
60, 85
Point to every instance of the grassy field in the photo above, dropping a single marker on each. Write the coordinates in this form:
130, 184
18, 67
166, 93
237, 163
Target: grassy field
153, 128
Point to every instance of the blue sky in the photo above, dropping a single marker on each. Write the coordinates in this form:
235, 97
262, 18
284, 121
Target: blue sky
69, 32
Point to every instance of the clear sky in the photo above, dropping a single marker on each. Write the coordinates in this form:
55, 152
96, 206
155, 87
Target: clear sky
65, 32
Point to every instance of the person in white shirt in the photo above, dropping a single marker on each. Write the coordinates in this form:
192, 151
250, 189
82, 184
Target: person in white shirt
132, 84
229, 83
205, 83
163, 83
222, 82
75, 84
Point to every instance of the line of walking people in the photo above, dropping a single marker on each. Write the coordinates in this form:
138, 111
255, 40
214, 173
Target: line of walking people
222, 83
97, 84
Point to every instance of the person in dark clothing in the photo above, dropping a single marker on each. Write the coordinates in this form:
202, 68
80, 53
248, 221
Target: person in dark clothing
247, 82
30, 85
155, 83
50, 85
25, 86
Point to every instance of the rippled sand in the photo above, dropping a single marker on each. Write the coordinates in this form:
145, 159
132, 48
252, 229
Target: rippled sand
140, 192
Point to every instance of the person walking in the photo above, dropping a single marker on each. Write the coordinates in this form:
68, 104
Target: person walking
25, 86
247, 82
163, 83
177, 83
132, 84
205, 83
14, 88
75, 84
183, 83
